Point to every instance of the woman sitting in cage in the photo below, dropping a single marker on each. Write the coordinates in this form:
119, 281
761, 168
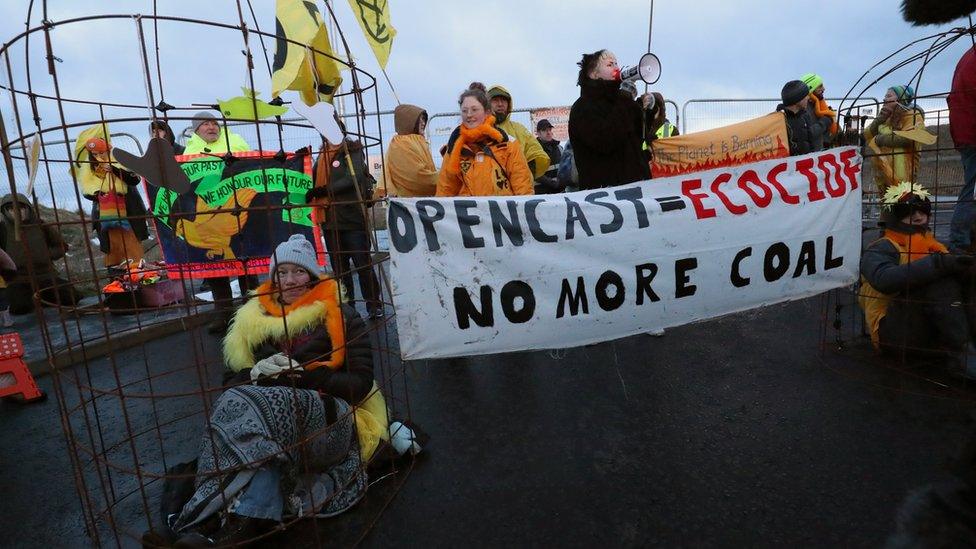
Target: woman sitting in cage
287, 442
911, 287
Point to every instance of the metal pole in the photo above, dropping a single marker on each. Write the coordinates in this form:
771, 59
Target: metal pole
333, 32
650, 27
9, 165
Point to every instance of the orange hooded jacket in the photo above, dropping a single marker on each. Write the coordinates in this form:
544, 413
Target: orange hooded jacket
483, 162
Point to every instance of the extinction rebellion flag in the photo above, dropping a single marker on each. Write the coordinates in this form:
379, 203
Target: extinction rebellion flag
235, 214
374, 19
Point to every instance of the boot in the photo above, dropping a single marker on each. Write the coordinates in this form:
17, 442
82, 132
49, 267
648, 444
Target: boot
218, 326
201, 535
194, 539
238, 530
963, 364
376, 310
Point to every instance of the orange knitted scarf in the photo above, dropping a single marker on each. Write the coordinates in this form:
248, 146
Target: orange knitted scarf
822, 109
470, 136
916, 246
325, 292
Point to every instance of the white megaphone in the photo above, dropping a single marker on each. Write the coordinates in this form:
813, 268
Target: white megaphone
648, 70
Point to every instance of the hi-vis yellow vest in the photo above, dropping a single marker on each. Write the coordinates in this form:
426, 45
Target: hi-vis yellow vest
666, 130
874, 303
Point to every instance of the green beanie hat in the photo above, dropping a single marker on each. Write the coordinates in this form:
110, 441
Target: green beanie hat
813, 81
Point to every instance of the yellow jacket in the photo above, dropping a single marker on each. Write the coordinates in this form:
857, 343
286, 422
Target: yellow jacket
531, 148
875, 303
410, 170
89, 182
196, 144
897, 152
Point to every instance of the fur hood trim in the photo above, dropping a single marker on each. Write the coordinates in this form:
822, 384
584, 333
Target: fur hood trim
262, 318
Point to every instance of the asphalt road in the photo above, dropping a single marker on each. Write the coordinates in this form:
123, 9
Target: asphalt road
733, 432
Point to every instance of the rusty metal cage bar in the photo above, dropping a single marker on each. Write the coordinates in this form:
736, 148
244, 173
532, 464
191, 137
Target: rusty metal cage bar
119, 416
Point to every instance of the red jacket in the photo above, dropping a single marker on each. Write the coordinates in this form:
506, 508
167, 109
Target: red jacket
962, 101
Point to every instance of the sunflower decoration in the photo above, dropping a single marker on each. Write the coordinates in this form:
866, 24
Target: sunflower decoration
902, 192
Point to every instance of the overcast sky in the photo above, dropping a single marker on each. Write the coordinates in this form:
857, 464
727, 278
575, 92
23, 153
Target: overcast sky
708, 48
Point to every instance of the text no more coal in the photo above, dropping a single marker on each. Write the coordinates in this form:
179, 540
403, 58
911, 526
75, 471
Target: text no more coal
517, 300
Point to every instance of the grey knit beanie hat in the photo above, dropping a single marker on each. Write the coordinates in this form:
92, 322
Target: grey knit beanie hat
200, 118
298, 251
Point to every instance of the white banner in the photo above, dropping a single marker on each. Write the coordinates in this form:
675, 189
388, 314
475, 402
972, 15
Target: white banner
480, 275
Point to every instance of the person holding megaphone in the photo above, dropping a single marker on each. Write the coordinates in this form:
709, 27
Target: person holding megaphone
607, 128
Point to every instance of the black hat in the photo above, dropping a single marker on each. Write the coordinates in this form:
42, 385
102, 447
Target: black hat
936, 12
902, 200
793, 92
909, 204
913, 204
543, 125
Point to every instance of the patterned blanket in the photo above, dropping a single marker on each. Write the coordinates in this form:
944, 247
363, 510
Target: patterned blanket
254, 426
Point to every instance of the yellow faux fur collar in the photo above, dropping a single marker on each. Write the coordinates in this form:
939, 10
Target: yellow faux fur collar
263, 318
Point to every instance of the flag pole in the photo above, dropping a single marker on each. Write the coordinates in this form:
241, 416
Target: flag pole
341, 106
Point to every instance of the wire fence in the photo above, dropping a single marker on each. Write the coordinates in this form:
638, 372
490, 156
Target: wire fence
56, 188
140, 395
53, 185
441, 125
706, 114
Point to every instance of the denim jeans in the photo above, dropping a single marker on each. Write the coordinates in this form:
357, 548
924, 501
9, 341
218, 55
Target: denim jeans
964, 215
262, 497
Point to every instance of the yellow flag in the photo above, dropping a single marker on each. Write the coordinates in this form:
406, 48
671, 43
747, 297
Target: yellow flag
300, 20
374, 19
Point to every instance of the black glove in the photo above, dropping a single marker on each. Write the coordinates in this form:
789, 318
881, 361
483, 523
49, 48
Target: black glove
314, 193
955, 263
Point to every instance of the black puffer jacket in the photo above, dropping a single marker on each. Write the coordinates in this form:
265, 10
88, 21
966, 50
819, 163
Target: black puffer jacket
606, 128
880, 267
804, 134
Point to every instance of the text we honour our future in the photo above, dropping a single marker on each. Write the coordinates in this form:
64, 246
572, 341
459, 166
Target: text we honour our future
414, 227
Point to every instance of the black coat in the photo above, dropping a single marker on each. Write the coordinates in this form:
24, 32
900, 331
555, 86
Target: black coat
352, 382
349, 194
41, 239
804, 134
606, 128
881, 267
555, 153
